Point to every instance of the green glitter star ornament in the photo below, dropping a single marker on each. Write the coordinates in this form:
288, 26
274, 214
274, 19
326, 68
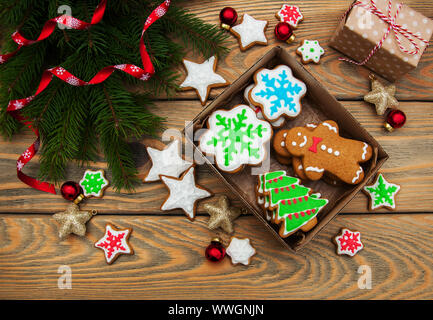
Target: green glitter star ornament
94, 183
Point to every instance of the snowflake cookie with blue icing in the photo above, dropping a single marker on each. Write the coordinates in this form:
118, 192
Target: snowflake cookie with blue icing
278, 93
94, 183
236, 138
310, 50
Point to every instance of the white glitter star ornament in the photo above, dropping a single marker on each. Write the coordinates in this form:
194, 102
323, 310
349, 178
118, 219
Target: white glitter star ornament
202, 78
167, 162
184, 193
250, 32
240, 251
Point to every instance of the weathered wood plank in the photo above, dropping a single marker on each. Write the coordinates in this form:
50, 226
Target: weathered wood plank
169, 262
344, 80
410, 165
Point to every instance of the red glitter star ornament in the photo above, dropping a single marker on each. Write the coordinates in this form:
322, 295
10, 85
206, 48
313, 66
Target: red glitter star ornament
348, 242
114, 243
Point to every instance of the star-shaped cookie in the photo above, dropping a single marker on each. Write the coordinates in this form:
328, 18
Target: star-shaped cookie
183, 193
222, 215
382, 97
382, 193
167, 162
240, 251
250, 32
202, 77
114, 243
73, 220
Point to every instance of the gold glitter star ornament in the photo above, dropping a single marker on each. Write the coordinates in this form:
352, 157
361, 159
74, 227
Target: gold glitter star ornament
222, 214
73, 220
382, 97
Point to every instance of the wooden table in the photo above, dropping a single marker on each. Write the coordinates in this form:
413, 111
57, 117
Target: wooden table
169, 262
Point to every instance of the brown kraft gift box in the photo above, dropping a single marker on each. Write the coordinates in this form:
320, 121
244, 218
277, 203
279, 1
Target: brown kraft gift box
317, 105
360, 31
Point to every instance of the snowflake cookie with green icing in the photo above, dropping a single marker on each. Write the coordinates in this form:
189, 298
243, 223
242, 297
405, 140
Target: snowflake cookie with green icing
94, 183
236, 138
382, 193
310, 50
277, 92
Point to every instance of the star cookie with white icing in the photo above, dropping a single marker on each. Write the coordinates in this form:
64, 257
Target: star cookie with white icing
250, 32
166, 162
114, 243
184, 193
382, 193
202, 77
310, 50
240, 251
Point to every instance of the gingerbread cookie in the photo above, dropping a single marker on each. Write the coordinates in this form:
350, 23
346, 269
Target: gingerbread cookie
348, 242
322, 149
202, 77
283, 160
277, 92
298, 168
250, 32
114, 243
279, 144
310, 51
382, 193
236, 138
240, 251
94, 183
290, 14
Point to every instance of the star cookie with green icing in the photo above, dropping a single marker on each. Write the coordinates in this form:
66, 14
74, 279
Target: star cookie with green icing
94, 183
310, 50
382, 193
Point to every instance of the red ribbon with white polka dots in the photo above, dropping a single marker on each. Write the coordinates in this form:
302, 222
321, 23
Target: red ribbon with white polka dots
392, 26
15, 106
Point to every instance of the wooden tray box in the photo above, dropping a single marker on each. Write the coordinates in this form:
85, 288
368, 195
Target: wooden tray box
318, 105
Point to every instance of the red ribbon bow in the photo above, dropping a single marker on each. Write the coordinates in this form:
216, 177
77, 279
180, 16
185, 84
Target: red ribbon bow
15, 106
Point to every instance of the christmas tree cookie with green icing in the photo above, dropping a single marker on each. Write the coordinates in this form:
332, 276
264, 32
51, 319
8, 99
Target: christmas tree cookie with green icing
236, 138
382, 193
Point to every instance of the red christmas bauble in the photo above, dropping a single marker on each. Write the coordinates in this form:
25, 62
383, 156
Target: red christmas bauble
284, 32
228, 16
70, 190
395, 119
215, 252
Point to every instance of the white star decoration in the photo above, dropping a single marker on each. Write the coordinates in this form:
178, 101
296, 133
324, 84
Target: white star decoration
167, 162
250, 32
240, 251
184, 193
202, 77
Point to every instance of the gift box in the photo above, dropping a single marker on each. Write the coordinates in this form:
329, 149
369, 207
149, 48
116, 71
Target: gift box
317, 105
366, 23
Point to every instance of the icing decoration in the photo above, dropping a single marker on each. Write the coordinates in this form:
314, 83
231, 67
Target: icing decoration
364, 151
236, 137
114, 243
382, 193
314, 169
348, 242
202, 77
73, 220
290, 14
222, 214
278, 93
250, 32
167, 162
327, 124
183, 193
94, 183
240, 251
310, 50
313, 147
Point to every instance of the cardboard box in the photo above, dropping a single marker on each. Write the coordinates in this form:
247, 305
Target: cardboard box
318, 105
360, 31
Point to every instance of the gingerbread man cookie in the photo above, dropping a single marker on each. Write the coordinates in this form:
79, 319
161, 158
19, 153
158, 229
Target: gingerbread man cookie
322, 149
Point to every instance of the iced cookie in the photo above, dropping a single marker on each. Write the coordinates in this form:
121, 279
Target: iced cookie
250, 32
166, 162
94, 183
236, 138
290, 14
240, 251
202, 77
114, 243
382, 193
348, 242
275, 124
310, 50
184, 193
277, 93
322, 149
279, 144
